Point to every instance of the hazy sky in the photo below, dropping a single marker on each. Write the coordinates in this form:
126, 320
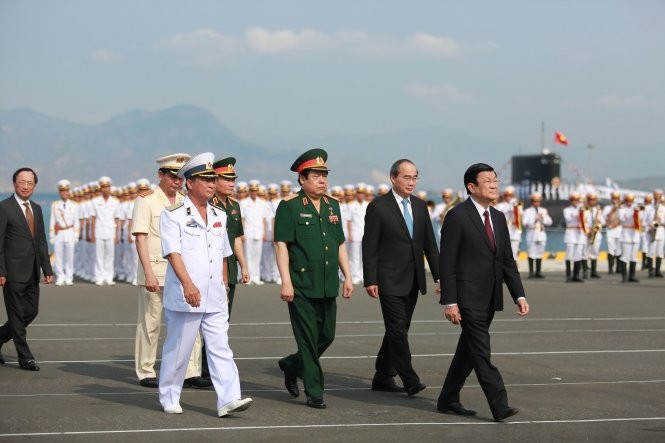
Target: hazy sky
594, 70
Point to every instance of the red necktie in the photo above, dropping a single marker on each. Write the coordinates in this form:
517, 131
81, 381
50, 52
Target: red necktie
30, 218
488, 229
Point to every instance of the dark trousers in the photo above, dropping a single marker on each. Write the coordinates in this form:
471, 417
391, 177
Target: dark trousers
473, 353
313, 322
22, 304
394, 357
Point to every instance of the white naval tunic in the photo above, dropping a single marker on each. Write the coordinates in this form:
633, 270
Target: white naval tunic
202, 246
64, 215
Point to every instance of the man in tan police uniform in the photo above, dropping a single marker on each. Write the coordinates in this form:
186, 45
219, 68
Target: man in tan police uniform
150, 277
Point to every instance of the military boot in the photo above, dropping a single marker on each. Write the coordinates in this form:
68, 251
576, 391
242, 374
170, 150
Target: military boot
644, 261
585, 269
631, 273
650, 267
539, 264
530, 267
624, 273
657, 272
594, 268
610, 264
577, 267
568, 275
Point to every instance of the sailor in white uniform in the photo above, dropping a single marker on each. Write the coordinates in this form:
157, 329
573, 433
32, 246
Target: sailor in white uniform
195, 243
64, 230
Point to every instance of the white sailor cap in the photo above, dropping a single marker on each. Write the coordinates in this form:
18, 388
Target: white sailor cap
349, 189
510, 189
172, 163
421, 195
241, 186
64, 185
383, 189
198, 166
369, 189
361, 187
104, 181
337, 190
262, 190
143, 184
131, 186
447, 192
273, 188
254, 185
285, 185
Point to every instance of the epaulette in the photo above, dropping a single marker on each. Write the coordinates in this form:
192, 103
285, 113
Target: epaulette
332, 197
216, 206
290, 197
174, 207
146, 193
233, 199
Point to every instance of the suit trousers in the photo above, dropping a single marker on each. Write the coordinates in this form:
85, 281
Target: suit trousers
148, 327
394, 357
473, 353
313, 322
181, 331
22, 304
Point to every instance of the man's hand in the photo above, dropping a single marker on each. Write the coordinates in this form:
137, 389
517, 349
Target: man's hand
347, 289
192, 295
3, 280
522, 307
452, 314
244, 274
48, 279
151, 283
373, 291
287, 292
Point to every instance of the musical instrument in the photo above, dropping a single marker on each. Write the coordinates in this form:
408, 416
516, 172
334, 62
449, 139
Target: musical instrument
596, 226
450, 206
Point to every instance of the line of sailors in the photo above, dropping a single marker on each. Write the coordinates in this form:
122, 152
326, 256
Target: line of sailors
90, 228
631, 228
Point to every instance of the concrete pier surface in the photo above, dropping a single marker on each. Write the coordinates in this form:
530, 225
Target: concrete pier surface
588, 364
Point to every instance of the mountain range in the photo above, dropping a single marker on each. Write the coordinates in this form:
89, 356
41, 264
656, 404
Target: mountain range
126, 146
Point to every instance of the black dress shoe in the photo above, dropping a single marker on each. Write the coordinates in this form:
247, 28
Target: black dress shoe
149, 382
197, 382
291, 381
455, 409
316, 402
505, 413
413, 390
386, 385
28, 365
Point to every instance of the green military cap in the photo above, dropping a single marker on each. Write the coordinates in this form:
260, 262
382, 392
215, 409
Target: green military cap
312, 159
225, 167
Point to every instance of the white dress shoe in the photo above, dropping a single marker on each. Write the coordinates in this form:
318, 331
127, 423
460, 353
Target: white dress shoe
173, 409
234, 406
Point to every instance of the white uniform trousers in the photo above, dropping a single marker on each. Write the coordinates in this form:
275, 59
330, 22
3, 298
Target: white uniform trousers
269, 271
356, 261
253, 249
104, 259
131, 263
656, 248
181, 330
629, 251
64, 261
536, 249
148, 328
91, 260
574, 251
613, 245
515, 245
593, 249
118, 261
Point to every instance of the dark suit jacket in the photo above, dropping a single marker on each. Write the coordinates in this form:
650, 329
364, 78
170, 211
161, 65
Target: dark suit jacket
21, 256
472, 275
391, 258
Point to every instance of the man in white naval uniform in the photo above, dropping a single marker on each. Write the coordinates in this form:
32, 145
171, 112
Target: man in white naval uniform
536, 218
195, 243
64, 230
611, 217
513, 210
150, 276
356, 229
630, 219
254, 210
105, 232
654, 219
574, 238
594, 223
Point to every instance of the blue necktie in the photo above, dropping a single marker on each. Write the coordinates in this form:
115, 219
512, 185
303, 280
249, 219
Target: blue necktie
407, 217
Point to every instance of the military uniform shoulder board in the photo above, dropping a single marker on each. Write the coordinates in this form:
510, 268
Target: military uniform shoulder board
233, 199
290, 197
174, 207
331, 197
146, 193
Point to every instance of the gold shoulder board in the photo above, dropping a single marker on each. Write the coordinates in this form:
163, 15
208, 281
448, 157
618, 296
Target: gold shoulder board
174, 207
290, 197
146, 193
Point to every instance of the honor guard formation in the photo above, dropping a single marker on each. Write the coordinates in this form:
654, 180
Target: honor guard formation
189, 239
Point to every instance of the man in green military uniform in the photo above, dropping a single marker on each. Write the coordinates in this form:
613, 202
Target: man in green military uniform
226, 177
310, 251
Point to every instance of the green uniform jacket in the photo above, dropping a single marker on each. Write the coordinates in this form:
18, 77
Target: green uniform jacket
313, 241
233, 230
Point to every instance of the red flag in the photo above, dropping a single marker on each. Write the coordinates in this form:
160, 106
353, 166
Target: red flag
560, 138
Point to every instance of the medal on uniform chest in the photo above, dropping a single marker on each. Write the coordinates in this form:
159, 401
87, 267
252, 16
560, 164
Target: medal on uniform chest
217, 224
332, 217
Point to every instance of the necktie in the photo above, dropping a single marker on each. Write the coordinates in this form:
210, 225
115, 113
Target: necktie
407, 217
488, 229
30, 218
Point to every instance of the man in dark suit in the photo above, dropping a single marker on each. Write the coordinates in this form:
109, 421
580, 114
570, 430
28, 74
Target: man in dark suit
23, 256
398, 233
476, 259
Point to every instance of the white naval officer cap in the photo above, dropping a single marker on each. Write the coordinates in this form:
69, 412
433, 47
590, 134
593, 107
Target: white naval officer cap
421, 195
104, 181
64, 185
349, 189
254, 185
285, 185
361, 187
143, 184
273, 188
369, 189
172, 163
383, 189
198, 166
241, 186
